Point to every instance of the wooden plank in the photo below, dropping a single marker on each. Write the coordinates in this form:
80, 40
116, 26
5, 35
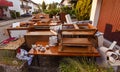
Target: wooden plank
76, 49
75, 26
77, 33
42, 33
35, 20
13, 45
45, 20
55, 33
82, 41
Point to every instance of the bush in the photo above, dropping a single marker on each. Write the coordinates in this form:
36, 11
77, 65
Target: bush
83, 9
52, 12
35, 12
13, 14
18, 14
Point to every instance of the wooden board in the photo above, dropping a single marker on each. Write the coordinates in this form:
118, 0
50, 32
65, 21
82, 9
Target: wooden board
77, 33
75, 26
76, 49
13, 45
76, 41
78, 29
45, 20
42, 33
35, 19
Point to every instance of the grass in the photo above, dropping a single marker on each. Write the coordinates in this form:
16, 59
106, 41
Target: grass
81, 65
11, 61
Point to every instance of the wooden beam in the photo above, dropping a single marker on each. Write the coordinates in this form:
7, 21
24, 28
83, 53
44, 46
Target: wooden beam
75, 26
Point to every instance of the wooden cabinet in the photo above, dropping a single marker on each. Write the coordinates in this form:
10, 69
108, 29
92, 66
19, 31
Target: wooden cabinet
10, 49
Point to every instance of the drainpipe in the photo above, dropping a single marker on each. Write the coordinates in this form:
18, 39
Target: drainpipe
95, 11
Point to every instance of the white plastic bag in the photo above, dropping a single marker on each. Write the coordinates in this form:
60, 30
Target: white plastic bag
23, 55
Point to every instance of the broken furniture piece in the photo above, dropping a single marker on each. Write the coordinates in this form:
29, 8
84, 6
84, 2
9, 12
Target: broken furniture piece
76, 37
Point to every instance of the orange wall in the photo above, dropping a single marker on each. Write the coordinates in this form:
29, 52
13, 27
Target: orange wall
109, 20
110, 13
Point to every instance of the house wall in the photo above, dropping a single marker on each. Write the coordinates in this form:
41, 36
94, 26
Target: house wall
16, 6
31, 4
6, 12
35, 7
109, 20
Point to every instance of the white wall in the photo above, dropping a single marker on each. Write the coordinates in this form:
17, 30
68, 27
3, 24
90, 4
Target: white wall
7, 12
16, 5
95, 11
31, 4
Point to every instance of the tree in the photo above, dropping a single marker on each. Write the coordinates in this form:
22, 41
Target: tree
83, 9
53, 5
43, 6
39, 8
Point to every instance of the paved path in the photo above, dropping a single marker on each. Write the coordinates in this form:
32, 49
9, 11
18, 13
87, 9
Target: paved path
6, 24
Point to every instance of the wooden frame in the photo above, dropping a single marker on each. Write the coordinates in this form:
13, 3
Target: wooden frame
71, 31
43, 36
16, 29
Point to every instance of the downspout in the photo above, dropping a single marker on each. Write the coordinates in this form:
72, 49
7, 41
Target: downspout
95, 11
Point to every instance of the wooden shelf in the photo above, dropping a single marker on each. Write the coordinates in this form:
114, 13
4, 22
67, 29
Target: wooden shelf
75, 49
42, 33
78, 29
77, 32
76, 45
76, 41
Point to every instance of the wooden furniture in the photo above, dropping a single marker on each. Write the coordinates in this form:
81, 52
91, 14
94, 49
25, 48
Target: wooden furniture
13, 45
38, 17
76, 36
53, 51
26, 24
16, 32
32, 37
35, 20
44, 24
9, 50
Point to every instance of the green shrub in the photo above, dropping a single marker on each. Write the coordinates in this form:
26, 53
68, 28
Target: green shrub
52, 12
35, 12
83, 9
18, 14
13, 14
